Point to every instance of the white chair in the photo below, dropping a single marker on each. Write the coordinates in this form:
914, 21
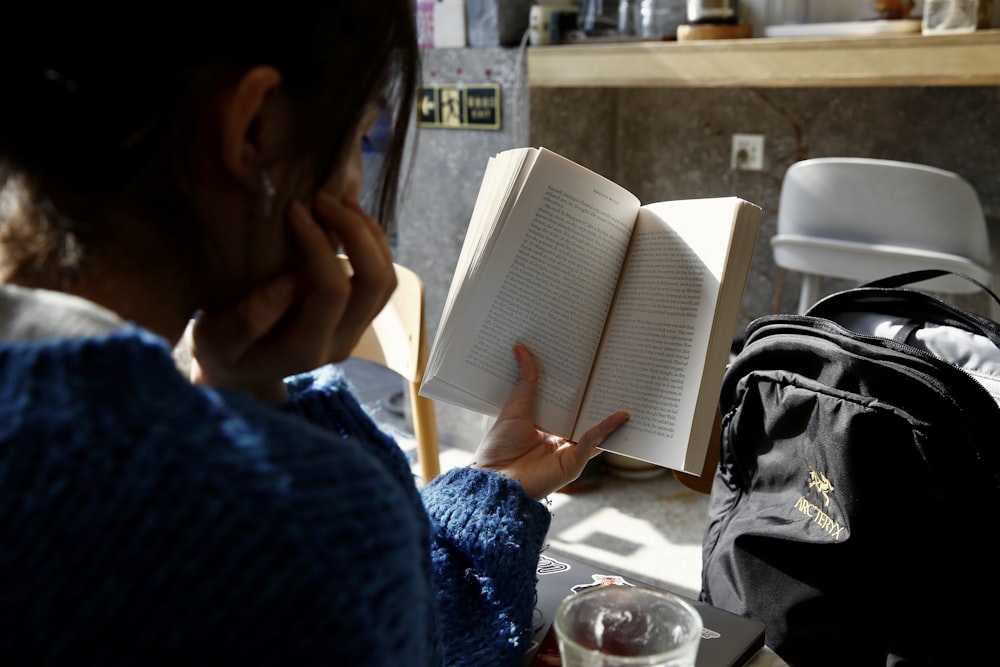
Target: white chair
862, 219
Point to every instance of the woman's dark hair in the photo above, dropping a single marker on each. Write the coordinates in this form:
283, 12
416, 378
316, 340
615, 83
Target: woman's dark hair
101, 105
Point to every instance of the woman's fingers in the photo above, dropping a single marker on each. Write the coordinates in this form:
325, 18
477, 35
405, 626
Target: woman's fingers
234, 330
521, 401
595, 437
373, 277
220, 340
359, 233
311, 316
285, 326
517, 449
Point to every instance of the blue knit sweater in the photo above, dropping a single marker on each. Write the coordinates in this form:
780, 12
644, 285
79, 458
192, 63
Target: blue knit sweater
146, 521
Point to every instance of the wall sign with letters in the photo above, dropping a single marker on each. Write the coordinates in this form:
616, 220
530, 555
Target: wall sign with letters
465, 106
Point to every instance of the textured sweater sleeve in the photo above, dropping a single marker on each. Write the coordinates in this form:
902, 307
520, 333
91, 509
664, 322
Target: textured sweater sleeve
487, 535
323, 397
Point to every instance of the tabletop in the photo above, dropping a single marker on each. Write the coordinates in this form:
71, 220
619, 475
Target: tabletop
766, 658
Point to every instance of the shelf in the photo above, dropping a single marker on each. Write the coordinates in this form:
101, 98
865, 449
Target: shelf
768, 62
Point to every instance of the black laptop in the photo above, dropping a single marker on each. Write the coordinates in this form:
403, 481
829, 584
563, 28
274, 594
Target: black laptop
728, 640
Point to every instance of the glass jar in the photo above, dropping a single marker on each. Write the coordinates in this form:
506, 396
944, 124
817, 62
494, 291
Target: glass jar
629, 17
599, 18
712, 11
985, 14
949, 16
893, 9
660, 18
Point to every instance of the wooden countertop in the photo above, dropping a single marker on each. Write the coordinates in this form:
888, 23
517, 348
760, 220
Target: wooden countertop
971, 59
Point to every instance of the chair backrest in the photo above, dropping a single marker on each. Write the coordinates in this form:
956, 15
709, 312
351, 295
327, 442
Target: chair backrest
873, 201
397, 340
864, 218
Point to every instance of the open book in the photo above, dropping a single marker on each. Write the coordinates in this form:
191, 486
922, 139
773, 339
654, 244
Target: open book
623, 306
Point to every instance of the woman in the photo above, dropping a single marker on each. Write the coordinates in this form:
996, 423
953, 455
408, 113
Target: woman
251, 513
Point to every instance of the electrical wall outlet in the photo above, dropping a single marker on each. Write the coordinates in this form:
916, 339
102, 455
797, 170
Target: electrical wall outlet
748, 152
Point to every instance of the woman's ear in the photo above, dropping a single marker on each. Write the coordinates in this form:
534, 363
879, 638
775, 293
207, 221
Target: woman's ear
245, 127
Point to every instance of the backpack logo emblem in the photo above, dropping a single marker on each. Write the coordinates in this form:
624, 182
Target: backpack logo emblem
819, 481
822, 485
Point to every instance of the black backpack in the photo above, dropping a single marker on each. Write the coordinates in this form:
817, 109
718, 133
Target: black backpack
855, 507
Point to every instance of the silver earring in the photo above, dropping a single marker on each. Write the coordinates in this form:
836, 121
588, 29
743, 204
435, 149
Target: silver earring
268, 187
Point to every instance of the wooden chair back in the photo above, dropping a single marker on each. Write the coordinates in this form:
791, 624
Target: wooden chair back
397, 340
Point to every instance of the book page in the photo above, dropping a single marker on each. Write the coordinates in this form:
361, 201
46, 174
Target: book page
670, 331
546, 283
504, 175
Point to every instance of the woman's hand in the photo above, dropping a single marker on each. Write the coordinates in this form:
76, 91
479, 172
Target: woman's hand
541, 462
305, 318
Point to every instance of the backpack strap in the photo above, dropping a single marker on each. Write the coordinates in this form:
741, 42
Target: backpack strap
906, 332
909, 277
885, 296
